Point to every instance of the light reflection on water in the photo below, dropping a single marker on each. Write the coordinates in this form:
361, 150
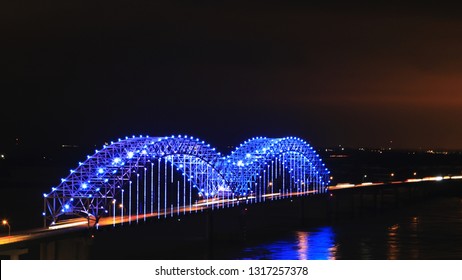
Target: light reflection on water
432, 230
316, 245
301, 245
393, 242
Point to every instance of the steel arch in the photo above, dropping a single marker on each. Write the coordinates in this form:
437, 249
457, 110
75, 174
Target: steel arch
246, 162
93, 185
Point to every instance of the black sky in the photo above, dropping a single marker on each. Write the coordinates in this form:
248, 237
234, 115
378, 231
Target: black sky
359, 75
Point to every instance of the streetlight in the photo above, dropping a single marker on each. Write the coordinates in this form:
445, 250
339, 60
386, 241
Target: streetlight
5, 223
123, 209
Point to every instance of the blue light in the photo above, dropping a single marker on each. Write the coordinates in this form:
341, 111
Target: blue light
130, 155
84, 185
100, 170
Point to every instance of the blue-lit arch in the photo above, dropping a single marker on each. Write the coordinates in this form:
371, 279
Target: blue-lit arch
247, 162
91, 188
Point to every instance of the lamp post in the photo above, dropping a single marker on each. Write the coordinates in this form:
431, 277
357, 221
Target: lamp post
5, 223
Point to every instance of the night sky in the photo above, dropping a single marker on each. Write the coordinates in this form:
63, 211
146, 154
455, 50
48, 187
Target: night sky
359, 75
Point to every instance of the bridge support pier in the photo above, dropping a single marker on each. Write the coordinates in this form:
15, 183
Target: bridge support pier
302, 211
14, 253
209, 232
75, 248
376, 206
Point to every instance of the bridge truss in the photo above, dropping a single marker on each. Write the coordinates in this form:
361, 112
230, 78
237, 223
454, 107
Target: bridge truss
141, 177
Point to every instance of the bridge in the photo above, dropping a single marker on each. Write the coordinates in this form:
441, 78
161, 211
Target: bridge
142, 177
153, 182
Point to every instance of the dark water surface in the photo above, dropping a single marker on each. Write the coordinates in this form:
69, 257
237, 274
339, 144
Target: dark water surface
430, 230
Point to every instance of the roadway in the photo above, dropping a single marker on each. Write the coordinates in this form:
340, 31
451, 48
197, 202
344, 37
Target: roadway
83, 223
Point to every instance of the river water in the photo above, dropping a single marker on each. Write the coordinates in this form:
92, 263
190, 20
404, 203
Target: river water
430, 230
